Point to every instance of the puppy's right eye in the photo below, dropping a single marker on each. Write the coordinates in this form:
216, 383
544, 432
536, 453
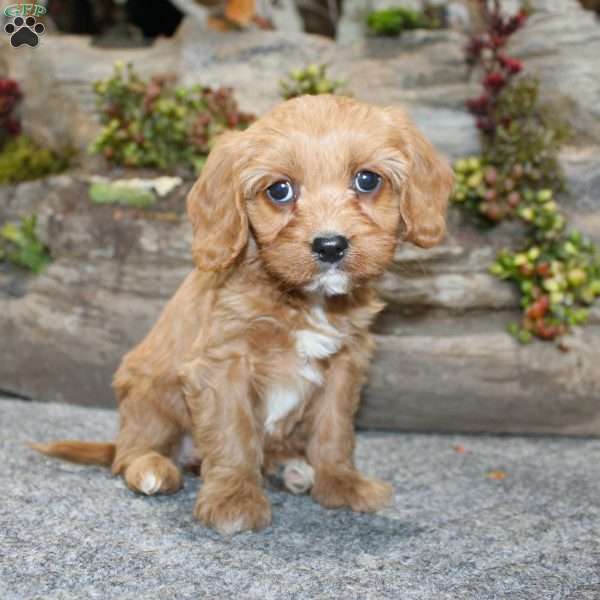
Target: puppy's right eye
281, 192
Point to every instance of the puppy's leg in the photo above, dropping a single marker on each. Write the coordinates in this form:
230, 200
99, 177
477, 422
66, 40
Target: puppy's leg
146, 441
330, 449
229, 440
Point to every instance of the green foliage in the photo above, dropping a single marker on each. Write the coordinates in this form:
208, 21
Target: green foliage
482, 190
312, 80
110, 193
21, 159
540, 211
393, 21
558, 278
20, 245
527, 135
557, 272
518, 160
160, 124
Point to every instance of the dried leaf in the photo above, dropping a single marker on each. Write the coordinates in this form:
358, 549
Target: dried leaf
460, 449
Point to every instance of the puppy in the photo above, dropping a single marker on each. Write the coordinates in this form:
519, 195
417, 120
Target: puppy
261, 354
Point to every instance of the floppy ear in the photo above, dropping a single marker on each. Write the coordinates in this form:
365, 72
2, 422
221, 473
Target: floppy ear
428, 183
216, 209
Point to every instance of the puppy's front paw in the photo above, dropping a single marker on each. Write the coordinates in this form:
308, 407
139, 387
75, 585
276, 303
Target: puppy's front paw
334, 489
232, 510
152, 474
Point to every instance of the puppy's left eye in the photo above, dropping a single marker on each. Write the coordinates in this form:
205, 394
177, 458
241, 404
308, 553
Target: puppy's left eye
366, 182
281, 192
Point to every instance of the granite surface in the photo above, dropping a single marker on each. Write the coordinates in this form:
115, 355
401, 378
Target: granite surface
474, 517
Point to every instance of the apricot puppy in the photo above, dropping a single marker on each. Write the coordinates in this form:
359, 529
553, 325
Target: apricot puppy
261, 353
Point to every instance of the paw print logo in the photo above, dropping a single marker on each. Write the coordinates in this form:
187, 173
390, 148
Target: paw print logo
24, 32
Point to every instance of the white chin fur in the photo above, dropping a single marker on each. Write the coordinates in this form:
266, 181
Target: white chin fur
330, 283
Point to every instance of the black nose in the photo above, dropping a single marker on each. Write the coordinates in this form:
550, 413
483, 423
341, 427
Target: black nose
330, 249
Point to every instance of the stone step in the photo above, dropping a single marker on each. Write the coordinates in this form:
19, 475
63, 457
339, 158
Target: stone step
444, 359
560, 45
472, 376
432, 370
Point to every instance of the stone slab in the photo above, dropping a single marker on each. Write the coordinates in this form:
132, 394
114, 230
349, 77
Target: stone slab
560, 45
472, 376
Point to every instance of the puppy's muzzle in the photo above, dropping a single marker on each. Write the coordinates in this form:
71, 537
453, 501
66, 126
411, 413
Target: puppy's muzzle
330, 249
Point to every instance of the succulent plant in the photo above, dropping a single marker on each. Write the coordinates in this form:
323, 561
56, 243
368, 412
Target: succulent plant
528, 135
159, 124
311, 80
20, 245
393, 21
486, 51
558, 279
518, 176
21, 159
10, 96
558, 273
496, 192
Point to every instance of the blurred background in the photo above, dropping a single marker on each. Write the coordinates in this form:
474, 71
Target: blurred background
108, 109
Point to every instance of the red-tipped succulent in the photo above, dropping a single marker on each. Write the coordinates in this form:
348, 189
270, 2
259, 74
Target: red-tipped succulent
10, 96
486, 50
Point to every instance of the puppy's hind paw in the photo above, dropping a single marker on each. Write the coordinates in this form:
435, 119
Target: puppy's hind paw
152, 474
298, 476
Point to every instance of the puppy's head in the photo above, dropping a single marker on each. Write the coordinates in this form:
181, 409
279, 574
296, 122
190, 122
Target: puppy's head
326, 185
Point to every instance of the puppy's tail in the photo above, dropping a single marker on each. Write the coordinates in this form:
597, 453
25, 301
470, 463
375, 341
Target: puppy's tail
85, 453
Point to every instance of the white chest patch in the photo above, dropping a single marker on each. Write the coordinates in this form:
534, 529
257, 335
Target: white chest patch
280, 401
320, 341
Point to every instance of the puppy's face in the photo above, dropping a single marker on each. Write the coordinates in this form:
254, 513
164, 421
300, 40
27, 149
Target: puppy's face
326, 185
